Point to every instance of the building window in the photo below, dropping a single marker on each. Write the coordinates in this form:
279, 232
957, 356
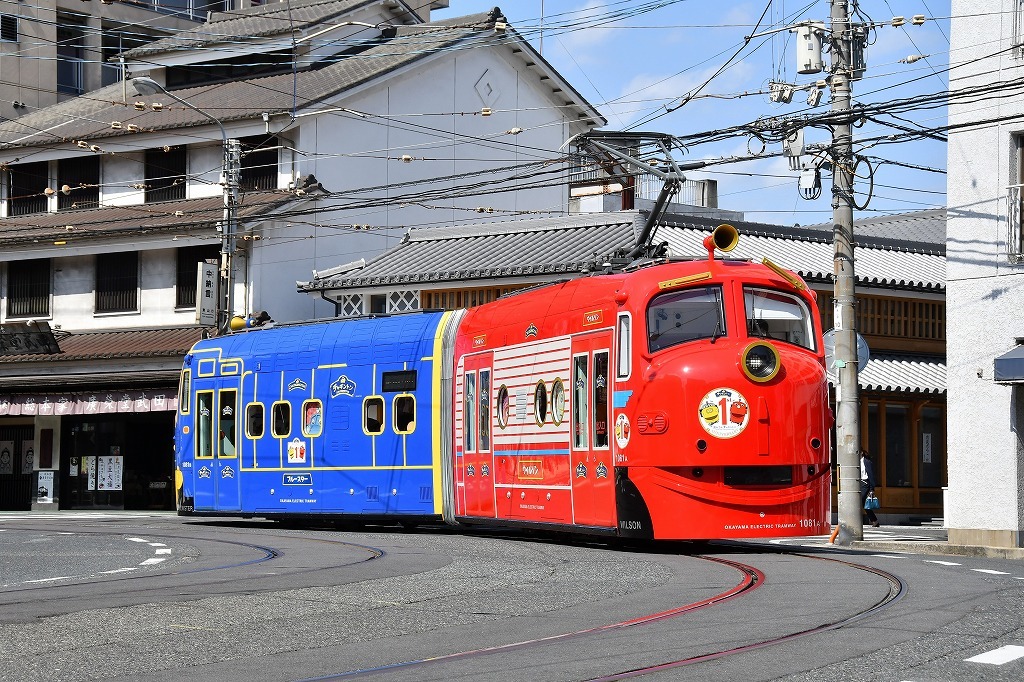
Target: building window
8, 28
259, 164
189, 258
26, 184
351, 305
192, 9
1018, 29
403, 301
79, 182
1015, 202
28, 288
117, 282
70, 56
165, 174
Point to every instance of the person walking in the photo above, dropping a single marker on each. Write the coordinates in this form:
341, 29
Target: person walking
867, 486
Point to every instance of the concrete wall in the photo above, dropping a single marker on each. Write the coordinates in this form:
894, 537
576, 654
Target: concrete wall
985, 294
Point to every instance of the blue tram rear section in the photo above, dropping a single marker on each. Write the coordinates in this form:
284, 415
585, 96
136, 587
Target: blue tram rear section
325, 418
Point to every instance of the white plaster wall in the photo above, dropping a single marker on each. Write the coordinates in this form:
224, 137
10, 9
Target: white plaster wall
360, 157
121, 171
74, 280
985, 293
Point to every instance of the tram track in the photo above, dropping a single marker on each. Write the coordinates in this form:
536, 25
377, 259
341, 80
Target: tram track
896, 592
752, 578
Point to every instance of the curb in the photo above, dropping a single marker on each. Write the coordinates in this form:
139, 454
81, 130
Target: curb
940, 548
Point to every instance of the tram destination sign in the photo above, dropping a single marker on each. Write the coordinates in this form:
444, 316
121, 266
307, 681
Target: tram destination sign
27, 338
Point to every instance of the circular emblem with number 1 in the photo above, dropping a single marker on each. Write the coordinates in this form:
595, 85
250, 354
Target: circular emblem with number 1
724, 412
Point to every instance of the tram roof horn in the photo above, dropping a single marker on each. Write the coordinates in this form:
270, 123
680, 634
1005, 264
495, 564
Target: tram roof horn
724, 238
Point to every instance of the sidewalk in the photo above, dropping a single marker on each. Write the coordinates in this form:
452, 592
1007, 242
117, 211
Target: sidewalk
927, 539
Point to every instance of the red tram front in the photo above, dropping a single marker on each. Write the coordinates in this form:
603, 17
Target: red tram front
682, 400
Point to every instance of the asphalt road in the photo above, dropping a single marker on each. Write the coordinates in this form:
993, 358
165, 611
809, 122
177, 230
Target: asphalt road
126, 596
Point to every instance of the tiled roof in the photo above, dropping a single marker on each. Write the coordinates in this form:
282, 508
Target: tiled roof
186, 216
922, 228
265, 20
89, 117
903, 374
572, 244
124, 344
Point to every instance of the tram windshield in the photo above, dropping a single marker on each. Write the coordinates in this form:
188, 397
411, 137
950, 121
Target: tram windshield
778, 316
685, 315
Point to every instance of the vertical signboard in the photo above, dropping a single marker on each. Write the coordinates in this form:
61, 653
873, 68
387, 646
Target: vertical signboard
207, 294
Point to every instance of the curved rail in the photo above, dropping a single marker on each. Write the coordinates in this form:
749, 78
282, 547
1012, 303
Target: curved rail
896, 592
752, 578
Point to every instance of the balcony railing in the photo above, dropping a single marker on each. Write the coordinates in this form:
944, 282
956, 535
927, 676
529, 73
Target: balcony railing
193, 9
647, 186
70, 79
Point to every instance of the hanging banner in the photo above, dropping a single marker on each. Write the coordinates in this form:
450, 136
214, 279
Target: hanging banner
6, 457
109, 470
107, 402
207, 294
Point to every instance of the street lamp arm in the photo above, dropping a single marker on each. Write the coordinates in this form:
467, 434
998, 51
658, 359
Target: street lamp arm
144, 85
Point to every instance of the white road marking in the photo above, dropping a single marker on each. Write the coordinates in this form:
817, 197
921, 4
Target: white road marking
889, 556
166, 550
150, 562
941, 563
1000, 656
137, 540
989, 571
157, 544
49, 580
119, 570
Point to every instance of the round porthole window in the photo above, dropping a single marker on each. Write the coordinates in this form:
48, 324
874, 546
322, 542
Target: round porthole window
504, 407
540, 403
557, 402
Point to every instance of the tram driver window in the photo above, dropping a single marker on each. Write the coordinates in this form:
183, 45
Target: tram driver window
778, 316
679, 316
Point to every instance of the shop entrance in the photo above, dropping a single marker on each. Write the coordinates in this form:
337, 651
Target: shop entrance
16, 465
122, 461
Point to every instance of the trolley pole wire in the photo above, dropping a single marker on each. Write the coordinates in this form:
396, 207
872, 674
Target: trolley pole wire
851, 525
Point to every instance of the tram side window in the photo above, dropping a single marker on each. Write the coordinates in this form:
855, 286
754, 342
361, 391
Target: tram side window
226, 424
778, 316
485, 410
312, 418
469, 414
185, 392
624, 364
404, 413
373, 415
580, 411
204, 424
281, 420
601, 399
254, 420
679, 316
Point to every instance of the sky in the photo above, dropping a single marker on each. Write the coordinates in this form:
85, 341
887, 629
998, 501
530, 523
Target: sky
636, 60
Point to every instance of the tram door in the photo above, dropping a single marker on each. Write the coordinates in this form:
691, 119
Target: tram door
593, 480
216, 457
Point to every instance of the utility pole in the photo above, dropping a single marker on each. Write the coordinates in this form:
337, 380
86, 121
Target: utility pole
232, 168
851, 525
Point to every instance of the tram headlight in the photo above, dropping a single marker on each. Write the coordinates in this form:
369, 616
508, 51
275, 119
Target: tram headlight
760, 361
